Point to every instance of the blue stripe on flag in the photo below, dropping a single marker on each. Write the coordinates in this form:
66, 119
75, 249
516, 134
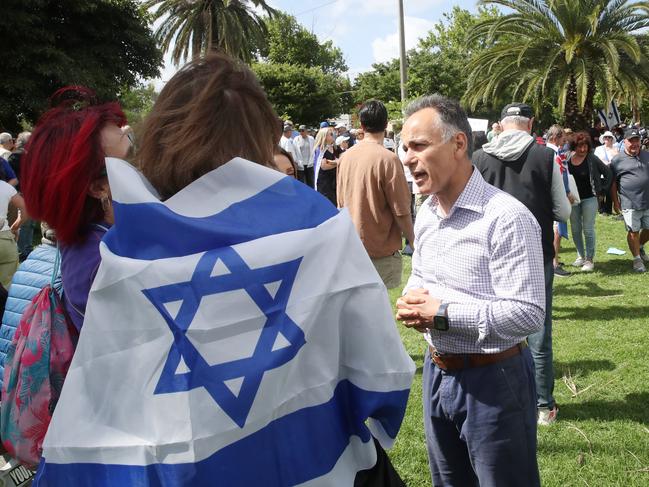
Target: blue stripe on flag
150, 231
616, 114
301, 446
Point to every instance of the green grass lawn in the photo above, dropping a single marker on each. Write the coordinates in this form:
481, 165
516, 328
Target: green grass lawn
601, 357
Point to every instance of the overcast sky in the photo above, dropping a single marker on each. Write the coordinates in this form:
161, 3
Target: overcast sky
365, 30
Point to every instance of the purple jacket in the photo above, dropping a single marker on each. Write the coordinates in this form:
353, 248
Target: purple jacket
79, 265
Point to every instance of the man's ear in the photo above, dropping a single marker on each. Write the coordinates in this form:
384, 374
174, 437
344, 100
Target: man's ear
99, 188
461, 144
531, 124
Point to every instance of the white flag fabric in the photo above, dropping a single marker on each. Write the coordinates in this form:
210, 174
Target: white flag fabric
611, 117
236, 334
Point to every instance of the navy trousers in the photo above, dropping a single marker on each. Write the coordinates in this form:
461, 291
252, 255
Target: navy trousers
481, 424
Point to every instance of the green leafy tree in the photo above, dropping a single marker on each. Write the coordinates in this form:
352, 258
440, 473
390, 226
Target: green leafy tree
436, 65
137, 102
190, 28
381, 83
302, 76
565, 49
305, 95
105, 45
289, 42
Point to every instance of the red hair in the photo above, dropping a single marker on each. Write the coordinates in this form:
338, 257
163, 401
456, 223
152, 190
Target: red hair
63, 158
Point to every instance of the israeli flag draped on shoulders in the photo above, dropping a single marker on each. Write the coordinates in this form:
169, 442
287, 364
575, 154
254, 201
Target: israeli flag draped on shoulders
236, 334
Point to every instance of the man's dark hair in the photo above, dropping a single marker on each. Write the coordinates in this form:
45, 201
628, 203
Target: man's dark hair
373, 116
452, 117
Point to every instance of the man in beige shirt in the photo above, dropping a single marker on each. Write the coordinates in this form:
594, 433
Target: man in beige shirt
372, 186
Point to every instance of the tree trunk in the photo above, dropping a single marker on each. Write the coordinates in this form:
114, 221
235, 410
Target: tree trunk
571, 109
589, 110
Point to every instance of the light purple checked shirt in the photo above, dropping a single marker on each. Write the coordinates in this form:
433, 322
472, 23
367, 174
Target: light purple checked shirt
484, 259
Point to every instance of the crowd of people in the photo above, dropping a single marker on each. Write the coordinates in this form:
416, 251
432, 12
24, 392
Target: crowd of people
482, 214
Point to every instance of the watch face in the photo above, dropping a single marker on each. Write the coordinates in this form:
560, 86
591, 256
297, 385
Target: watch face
440, 323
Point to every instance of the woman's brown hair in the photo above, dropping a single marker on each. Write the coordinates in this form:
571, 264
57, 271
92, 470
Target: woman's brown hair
581, 138
211, 111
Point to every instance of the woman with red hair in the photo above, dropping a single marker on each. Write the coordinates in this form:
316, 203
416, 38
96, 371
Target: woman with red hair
64, 183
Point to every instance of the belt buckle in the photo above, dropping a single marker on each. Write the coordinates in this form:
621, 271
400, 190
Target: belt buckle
437, 360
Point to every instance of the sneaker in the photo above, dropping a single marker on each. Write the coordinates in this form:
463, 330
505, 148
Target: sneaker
546, 417
638, 266
579, 262
588, 266
643, 255
561, 272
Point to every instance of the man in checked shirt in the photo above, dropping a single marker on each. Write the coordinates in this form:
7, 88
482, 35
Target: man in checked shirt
475, 292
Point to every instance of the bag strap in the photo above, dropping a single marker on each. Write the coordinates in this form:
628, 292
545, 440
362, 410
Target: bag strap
57, 266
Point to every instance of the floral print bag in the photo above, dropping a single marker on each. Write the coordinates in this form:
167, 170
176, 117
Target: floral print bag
36, 365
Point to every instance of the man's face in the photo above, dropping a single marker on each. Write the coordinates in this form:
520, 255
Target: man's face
632, 146
430, 160
303, 133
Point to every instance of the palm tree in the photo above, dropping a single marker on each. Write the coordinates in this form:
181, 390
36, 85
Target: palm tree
564, 49
195, 26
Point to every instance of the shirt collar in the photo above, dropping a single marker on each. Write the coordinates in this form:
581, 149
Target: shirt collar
471, 196
555, 148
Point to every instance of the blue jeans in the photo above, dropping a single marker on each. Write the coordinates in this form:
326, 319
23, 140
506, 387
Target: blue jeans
481, 424
25, 238
540, 344
582, 221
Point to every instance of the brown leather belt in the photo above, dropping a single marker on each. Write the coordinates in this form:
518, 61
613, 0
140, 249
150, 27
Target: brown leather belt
452, 361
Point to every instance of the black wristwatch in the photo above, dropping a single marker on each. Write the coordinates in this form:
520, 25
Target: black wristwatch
440, 320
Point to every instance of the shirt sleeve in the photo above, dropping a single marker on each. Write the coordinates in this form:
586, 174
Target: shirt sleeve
7, 190
395, 188
298, 153
9, 172
560, 204
517, 277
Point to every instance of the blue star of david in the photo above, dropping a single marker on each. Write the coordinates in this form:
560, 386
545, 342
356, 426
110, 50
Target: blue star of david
251, 369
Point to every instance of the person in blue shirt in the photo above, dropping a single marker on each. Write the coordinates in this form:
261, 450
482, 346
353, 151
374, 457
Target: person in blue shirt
7, 173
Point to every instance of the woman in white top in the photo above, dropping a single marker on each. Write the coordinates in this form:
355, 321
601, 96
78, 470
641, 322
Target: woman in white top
606, 152
8, 234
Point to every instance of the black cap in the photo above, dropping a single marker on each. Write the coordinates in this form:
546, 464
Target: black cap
631, 133
517, 110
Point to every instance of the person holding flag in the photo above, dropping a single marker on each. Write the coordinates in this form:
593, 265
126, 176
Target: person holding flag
325, 163
236, 333
64, 183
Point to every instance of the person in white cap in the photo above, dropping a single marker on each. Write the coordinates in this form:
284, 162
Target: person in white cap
342, 144
286, 141
606, 152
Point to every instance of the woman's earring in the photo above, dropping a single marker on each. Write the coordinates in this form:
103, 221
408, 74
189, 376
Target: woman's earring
106, 204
